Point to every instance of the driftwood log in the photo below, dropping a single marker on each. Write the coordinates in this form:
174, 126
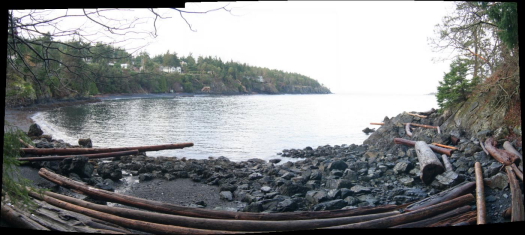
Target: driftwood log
200, 212
429, 164
445, 146
411, 143
220, 224
446, 162
508, 146
128, 223
18, 219
449, 194
65, 151
417, 115
407, 129
518, 213
480, 195
91, 156
501, 156
467, 218
435, 219
412, 216
377, 123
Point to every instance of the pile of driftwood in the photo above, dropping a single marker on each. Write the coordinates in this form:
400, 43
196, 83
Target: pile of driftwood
431, 166
448, 208
452, 207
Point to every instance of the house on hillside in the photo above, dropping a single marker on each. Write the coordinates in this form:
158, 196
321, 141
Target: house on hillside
124, 66
257, 79
168, 69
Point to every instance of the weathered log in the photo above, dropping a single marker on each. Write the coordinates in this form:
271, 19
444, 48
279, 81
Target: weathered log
429, 164
128, 223
17, 219
416, 115
480, 195
407, 129
377, 123
449, 194
220, 224
435, 219
500, 155
200, 212
26, 144
65, 151
518, 212
421, 125
517, 171
507, 214
91, 156
446, 162
408, 217
445, 146
484, 149
508, 146
427, 113
467, 218
411, 143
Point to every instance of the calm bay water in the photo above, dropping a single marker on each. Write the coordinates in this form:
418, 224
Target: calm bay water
237, 127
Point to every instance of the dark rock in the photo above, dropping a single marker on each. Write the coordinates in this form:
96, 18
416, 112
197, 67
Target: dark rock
109, 170
331, 205
368, 130
34, 130
145, 177
290, 189
86, 143
226, 195
317, 196
79, 165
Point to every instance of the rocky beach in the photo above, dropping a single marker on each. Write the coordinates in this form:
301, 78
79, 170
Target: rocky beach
377, 172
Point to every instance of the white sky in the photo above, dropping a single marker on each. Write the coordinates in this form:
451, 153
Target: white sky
349, 46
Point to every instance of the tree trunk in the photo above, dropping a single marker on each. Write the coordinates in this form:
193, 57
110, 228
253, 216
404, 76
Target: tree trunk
203, 213
429, 164
408, 217
411, 143
480, 195
407, 129
62, 151
91, 156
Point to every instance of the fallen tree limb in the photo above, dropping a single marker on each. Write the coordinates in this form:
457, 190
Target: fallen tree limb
429, 164
65, 151
501, 156
480, 195
26, 144
518, 213
407, 129
204, 213
421, 125
446, 162
220, 224
416, 115
128, 223
408, 217
483, 147
411, 143
449, 194
91, 156
17, 219
377, 123
445, 146
435, 219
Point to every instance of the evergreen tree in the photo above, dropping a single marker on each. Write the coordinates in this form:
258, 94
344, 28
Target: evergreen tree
455, 86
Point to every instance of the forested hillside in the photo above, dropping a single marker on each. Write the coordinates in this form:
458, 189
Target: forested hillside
80, 69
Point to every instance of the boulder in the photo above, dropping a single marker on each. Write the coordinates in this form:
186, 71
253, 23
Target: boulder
79, 165
34, 130
86, 143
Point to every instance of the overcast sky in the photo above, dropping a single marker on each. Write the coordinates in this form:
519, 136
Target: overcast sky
349, 46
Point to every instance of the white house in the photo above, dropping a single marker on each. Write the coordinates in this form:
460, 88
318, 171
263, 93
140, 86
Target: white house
170, 69
124, 66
